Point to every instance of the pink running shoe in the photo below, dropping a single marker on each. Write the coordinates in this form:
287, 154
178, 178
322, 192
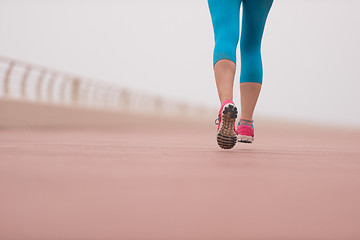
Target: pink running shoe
245, 131
226, 135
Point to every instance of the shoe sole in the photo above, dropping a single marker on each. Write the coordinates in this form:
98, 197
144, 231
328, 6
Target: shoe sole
245, 139
226, 136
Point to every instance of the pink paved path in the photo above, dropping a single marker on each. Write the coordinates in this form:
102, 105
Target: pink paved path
164, 185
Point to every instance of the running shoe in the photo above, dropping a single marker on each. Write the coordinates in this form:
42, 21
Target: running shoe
245, 131
226, 135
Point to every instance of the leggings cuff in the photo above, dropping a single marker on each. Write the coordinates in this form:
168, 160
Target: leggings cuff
224, 56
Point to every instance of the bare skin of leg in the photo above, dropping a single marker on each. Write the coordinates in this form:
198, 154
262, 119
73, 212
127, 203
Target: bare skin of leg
249, 92
224, 75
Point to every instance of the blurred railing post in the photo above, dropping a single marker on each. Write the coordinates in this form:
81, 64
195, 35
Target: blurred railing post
124, 99
85, 95
7, 79
23, 81
50, 88
39, 85
63, 89
75, 91
158, 105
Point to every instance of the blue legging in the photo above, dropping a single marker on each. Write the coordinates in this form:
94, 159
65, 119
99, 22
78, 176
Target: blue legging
225, 19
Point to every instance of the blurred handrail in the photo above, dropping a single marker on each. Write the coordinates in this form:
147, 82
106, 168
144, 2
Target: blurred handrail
49, 86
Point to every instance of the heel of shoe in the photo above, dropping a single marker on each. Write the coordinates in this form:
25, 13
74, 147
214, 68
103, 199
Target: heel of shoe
226, 137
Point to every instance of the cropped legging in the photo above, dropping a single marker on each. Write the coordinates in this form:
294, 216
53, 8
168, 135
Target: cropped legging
225, 19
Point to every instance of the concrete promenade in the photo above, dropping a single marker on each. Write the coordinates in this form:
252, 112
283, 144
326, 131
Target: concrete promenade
139, 182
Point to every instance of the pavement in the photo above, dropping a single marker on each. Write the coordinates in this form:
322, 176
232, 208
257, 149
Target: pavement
136, 183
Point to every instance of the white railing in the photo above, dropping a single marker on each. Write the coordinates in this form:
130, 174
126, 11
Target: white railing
23, 81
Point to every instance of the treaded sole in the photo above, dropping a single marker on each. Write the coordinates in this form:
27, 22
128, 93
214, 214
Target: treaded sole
245, 139
226, 137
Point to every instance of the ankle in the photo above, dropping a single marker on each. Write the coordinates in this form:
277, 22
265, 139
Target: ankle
246, 118
222, 100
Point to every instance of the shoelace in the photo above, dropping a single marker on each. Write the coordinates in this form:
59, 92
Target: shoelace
246, 122
217, 121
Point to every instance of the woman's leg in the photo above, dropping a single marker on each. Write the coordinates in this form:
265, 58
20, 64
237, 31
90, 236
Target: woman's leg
225, 19
224, 76
255, 13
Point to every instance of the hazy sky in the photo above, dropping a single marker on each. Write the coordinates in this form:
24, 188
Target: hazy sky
310, 51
